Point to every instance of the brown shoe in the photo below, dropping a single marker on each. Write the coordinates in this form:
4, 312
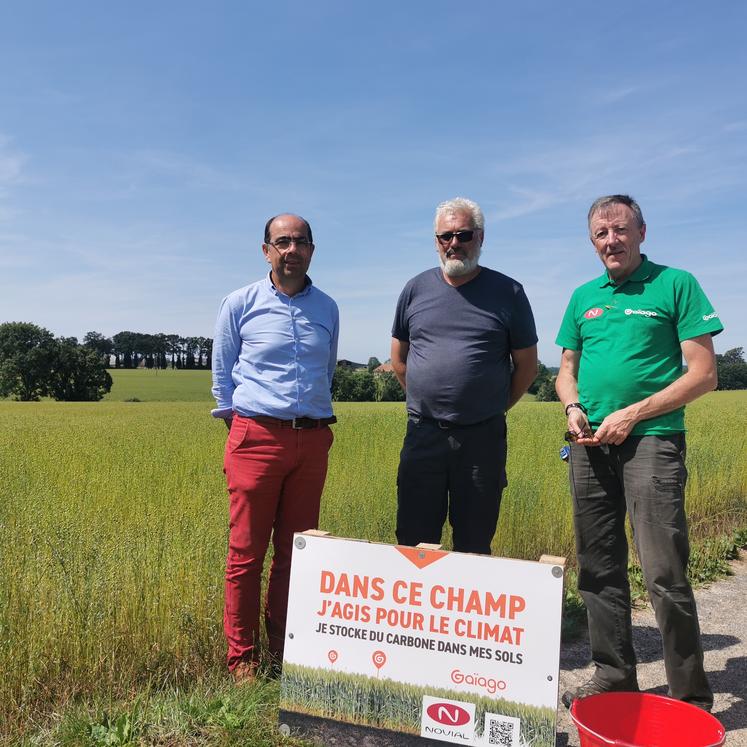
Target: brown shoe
244, 673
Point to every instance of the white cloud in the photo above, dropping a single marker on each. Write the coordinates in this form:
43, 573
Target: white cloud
10, 162
189, 171
618, 94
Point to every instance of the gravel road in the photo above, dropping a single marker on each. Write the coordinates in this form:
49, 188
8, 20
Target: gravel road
722, 609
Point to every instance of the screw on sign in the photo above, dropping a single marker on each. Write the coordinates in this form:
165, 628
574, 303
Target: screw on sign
332, 655
379, 659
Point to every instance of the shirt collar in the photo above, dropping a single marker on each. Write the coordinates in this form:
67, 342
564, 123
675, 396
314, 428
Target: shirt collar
642, 272
271, 286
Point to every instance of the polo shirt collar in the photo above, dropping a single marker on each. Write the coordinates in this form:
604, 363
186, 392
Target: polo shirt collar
272, 289
642, 272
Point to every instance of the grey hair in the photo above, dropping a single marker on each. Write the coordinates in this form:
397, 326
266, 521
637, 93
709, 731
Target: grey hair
603, 202
461, 205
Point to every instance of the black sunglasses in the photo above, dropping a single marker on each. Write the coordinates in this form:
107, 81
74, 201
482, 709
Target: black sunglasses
462, 237
571, 437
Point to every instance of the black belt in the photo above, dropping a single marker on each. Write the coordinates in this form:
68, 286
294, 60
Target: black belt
295, 423
446, 424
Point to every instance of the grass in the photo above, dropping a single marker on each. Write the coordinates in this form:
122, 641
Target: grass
113, 538
159, 385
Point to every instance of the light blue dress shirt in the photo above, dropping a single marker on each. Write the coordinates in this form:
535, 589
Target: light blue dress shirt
273, 354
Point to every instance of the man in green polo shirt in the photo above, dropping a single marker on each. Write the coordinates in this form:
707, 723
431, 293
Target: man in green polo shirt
622, 384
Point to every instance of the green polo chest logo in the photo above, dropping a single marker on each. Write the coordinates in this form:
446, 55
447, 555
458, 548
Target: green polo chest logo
640, 312
593, 313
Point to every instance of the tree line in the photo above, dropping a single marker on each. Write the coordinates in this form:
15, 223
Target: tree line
34, 364
134, 349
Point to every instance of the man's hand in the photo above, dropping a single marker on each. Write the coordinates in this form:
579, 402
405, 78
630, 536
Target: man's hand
578, 425
616, 427
566, 385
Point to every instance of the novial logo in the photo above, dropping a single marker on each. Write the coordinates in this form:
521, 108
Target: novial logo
448, 714
640, 312
593, 313
714, 315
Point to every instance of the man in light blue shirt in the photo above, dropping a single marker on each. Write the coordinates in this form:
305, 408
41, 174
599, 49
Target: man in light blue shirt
274, 355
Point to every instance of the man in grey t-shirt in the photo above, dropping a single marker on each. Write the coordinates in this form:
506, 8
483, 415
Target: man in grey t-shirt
457, 329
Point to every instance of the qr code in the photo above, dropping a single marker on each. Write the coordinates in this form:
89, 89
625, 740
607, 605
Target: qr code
502, 731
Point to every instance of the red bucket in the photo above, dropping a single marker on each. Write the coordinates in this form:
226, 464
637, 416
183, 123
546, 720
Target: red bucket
643, 720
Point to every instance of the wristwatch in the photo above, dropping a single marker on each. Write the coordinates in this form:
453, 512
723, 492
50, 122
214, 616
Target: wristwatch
577, 405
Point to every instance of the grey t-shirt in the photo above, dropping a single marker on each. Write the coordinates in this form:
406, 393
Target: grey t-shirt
458, 364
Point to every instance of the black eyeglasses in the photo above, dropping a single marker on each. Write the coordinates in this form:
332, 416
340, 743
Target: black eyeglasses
283, 243
462, 237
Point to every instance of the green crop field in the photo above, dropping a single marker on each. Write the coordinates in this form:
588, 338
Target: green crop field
154, 385
113, 533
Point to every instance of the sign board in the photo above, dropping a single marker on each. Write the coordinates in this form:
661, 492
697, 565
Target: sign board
432, 644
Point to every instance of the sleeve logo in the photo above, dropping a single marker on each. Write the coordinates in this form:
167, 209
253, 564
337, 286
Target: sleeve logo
706, 317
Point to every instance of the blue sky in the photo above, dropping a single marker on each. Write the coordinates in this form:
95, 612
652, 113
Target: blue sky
143, 146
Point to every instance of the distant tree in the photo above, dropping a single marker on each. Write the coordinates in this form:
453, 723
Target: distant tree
191, 347
373, 362
160, 349
546, 391
102, 345
147, 348
26, 355
364, 387
731, 369
543, 373
388, 388
77, 373
204, 351
173, 348
343, 386
125, 349
735, 355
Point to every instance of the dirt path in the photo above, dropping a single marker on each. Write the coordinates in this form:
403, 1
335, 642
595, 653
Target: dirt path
722, 609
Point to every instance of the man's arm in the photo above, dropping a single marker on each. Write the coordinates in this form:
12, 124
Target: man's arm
524, 373
332, 365
226, 348
398, 355
566, 385
699, 378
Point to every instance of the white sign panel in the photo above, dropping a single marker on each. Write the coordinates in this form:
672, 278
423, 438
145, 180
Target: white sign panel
412, 640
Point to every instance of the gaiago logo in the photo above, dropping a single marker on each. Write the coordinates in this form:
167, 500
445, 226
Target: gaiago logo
706, 317
488, 683
640, 312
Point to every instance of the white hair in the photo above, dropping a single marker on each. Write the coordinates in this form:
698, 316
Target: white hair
461, 205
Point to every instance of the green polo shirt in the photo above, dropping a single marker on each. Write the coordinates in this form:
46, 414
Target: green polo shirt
629, 337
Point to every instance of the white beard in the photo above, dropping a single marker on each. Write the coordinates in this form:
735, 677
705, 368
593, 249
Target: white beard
456, 268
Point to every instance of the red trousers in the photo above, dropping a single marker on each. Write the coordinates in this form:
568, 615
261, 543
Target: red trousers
275, 478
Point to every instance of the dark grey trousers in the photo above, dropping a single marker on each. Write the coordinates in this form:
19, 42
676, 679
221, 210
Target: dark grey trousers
646, 476
459, 470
